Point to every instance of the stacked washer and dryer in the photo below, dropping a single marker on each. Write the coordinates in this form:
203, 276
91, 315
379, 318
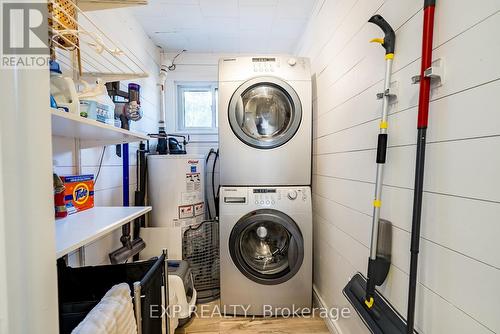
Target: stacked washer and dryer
265, 121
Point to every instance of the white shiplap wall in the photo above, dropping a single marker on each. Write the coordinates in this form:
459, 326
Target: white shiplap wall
459, 266
129, 35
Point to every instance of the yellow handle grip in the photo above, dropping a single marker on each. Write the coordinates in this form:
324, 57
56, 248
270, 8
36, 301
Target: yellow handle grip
377, 40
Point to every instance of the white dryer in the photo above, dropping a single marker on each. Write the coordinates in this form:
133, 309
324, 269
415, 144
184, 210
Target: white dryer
265, 121
265, 250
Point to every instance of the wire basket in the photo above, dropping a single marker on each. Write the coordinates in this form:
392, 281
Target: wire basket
62, 18
201, 250
81, 46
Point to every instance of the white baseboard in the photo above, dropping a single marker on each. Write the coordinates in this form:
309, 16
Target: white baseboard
318, 301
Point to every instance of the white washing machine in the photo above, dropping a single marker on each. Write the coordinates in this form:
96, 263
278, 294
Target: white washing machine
265, 121
265, 250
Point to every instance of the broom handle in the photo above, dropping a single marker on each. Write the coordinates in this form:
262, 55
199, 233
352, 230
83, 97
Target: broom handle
423, 116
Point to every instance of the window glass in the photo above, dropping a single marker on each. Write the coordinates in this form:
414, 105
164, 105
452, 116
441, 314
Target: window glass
197, 107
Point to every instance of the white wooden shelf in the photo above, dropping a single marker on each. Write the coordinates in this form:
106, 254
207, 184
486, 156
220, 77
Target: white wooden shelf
90, 132
91, 5
110, 77
84, 227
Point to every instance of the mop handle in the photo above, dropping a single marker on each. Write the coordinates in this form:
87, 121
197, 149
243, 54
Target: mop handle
389, 40
374, 269
387, 43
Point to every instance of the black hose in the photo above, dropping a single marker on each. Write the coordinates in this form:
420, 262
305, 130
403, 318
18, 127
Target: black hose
209, 155
207, 200
216, 204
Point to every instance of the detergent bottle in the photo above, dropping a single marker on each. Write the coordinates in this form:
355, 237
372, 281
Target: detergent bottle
63, 90
96, 104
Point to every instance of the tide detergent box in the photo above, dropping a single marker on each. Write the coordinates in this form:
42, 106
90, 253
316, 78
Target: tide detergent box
79, 192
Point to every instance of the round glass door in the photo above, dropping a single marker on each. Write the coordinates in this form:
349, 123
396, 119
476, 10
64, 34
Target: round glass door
265, 112
267, 246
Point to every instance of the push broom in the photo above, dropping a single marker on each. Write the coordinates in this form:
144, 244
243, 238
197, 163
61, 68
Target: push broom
373, 309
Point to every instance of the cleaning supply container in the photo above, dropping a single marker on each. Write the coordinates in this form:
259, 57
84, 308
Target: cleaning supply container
63, 90
96, 104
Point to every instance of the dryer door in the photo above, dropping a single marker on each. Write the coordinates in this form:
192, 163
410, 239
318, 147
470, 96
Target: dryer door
265, 112
267, 246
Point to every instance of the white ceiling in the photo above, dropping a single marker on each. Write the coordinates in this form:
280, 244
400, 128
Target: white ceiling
225, 26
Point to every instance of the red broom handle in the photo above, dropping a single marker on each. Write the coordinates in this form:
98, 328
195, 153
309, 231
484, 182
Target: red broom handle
425, 83
423, 116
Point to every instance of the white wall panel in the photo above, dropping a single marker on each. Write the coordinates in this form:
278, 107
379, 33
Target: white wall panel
459, 251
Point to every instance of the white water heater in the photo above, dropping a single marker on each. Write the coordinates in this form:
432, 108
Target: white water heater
176, 191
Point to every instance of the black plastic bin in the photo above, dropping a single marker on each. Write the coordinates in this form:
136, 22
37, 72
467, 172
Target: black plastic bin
80, 289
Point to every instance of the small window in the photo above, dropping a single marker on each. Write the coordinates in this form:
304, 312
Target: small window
197, 107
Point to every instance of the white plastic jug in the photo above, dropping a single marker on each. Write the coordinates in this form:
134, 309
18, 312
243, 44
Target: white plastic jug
95, 103
64, 92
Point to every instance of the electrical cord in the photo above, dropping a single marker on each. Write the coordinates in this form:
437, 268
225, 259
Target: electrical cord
100, 165
174, 66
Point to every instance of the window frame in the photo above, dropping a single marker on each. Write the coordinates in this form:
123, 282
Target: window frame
196, 86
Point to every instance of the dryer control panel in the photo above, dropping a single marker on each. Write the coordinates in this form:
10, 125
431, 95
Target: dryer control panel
287, 68
263, 64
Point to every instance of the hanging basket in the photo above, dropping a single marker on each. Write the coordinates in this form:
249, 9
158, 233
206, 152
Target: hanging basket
63, 23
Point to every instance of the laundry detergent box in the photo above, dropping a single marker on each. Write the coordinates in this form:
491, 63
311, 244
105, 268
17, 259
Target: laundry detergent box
79, 192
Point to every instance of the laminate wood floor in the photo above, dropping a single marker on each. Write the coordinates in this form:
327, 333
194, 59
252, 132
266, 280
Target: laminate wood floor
257, 325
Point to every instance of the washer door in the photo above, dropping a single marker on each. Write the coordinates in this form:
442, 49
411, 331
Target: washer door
267, 246
265, 112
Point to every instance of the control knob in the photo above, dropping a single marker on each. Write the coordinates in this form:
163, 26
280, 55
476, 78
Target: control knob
292, 194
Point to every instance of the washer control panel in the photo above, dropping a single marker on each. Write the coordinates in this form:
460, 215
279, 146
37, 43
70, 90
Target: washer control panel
265, 197
269, 197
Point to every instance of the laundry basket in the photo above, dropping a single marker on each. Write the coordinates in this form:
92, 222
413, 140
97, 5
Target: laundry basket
80, 289
201, 250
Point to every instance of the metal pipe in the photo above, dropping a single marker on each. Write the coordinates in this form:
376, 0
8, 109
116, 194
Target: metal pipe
161, 121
